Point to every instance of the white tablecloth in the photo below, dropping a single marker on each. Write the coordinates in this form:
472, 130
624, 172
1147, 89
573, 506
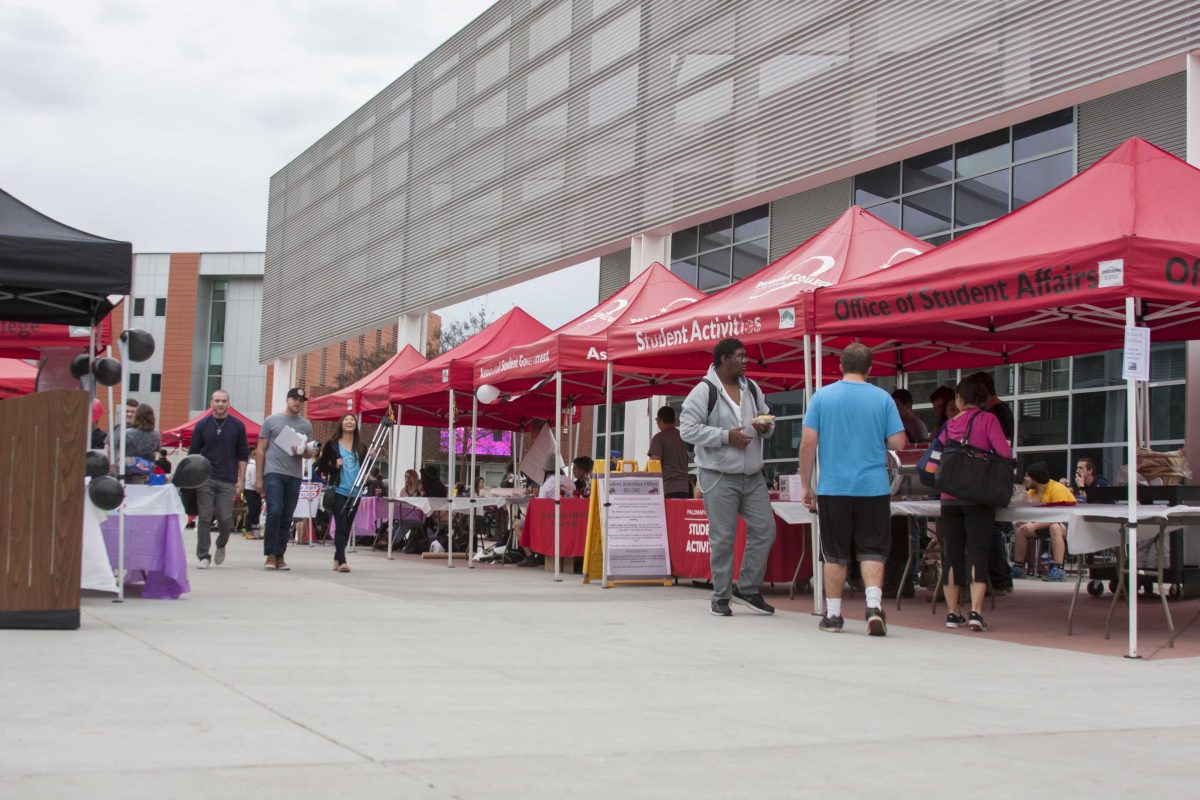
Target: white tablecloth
459, 504
1083, 535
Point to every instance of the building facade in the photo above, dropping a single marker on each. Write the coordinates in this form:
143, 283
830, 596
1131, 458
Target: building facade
716, 135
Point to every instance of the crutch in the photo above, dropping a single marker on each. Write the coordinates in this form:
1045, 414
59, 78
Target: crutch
378, 442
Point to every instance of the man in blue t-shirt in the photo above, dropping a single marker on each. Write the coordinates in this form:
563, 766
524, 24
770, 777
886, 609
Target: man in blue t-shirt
848, 428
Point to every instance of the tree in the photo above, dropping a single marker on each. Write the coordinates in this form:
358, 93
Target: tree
446, 337
361, 366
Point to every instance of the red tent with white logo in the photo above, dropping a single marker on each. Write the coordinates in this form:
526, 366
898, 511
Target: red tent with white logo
368, 395
769, 311
1115, 248
182, 436
16, 377
577, 350
29, 339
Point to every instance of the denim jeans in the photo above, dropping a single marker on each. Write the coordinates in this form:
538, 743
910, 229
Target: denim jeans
282, 492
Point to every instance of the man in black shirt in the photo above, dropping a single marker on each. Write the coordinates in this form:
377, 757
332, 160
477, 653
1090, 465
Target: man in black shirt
221, 438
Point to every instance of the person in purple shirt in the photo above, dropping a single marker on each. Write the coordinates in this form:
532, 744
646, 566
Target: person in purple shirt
966, 529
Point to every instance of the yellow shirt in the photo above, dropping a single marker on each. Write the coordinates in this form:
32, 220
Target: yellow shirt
1055, 493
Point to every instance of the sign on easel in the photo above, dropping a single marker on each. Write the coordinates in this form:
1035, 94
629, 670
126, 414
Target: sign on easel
637, 529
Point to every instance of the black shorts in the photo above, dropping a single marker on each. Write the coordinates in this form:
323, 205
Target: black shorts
864, 521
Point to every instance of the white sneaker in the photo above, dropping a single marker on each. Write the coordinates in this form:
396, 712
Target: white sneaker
220, 557
203, 563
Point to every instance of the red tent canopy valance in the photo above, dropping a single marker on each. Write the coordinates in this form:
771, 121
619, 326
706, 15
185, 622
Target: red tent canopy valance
182, 436
16, 377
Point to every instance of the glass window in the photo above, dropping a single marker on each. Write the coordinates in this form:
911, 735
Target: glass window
922, 384
219, 290
216, 355
135, 382
685, 268
786, 404
928, 169
876, 185
216, 327
1167, 406
1098, 417
749, 258
1035, 178
889, 212
1044, 135
714, 269
156, 382
1042, 422
981, 199
752, 224
1099, 369
213, 383
160, 307
936, 240
139, 306
927, 212
982, 154
717, 233
1055, 461
1045, 376
1168, 361
785, 444
683, 243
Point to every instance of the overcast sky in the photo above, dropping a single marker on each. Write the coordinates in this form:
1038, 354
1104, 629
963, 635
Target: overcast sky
161, 123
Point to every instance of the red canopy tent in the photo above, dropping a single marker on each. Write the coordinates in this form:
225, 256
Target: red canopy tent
577, 350
1057, 270
182, 436
16, 378
769, 311
368, 395
1116, 247
28, 339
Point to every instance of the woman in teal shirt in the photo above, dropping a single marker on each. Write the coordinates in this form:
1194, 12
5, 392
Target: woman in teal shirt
341, 459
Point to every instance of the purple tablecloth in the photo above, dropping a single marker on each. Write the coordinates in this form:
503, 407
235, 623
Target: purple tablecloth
153, 545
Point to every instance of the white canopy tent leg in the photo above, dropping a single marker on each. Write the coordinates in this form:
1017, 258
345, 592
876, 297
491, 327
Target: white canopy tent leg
471, 482
449, 491
121, 516
394, 461
818, 568
608, 401
1131, 583
557, 474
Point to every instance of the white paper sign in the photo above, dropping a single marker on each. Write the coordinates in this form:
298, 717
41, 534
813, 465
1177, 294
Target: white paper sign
1112, 273
1135, 361
637, 527
290, 440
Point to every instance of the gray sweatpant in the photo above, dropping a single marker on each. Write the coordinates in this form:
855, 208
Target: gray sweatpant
213, 497
727, 496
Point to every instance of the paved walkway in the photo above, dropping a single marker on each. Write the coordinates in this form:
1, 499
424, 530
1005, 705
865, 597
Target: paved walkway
406, 679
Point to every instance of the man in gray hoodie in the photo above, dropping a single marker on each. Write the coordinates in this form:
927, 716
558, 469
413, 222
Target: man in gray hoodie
724, 416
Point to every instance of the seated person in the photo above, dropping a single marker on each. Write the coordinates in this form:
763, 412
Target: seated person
550, 467
914, 428
1044, 491
581, 471
1086, 476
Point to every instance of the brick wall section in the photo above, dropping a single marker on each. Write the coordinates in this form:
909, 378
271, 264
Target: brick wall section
180, 339
270, 389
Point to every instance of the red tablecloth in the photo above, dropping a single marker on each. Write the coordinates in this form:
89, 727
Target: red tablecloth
687, 537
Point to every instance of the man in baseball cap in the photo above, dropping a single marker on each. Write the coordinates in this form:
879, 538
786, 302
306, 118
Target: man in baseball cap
278, 474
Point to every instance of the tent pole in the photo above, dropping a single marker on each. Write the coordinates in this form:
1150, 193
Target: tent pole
1131, 524
608, 401
111, 442
557, 473
393, 465
818, 568
471, 482
450, 448
121, 518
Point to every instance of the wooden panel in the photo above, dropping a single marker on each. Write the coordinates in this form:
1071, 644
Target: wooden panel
42, 454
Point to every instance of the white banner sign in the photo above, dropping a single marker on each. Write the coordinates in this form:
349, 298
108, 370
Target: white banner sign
637, 528
1135, 362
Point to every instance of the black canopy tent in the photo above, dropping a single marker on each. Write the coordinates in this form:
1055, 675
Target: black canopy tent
53, 273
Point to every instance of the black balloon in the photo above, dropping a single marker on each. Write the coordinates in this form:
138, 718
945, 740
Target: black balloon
97, 464
192, 472
107, 371
139, 344
106, 492
79, 365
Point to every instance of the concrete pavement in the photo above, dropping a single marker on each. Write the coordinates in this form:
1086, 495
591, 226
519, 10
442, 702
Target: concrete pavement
408, 679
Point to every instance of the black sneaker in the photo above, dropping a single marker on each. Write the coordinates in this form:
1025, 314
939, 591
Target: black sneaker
955, 620
831, 624
975, 620
876, 622
720, 608
754, 602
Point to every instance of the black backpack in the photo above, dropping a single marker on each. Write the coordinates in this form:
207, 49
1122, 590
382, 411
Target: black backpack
712, 394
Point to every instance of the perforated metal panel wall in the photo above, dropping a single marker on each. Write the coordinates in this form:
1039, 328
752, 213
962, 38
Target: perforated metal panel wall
614, 272
796, 219
550, 131
1155, 111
